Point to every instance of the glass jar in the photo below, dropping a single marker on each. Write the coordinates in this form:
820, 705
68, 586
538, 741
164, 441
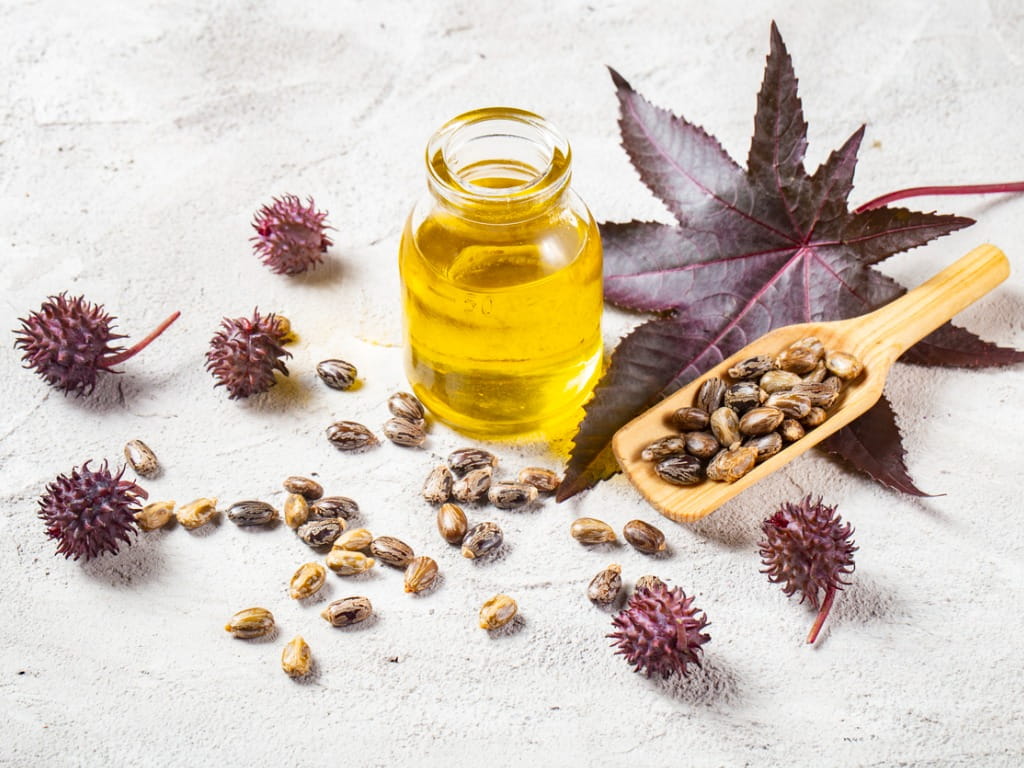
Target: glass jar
501, 279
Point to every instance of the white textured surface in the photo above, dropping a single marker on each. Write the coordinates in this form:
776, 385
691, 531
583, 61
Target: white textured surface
136, 140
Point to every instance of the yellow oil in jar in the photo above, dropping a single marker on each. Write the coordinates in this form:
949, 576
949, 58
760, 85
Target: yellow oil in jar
502, 301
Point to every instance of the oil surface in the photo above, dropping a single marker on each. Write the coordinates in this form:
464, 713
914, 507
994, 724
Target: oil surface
502, 319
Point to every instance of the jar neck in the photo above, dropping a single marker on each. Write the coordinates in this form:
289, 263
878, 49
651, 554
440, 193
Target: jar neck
498, 165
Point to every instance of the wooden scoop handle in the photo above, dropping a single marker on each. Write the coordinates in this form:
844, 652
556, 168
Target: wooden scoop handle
902, 323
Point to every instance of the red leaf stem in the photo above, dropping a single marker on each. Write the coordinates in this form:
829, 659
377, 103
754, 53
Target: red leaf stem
968, 189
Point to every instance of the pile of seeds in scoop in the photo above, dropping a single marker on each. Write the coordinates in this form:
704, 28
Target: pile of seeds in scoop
765, 403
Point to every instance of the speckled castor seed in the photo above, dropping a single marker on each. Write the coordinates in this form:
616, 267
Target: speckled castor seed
481, 539
644, 537
689, 419
544, 480
336, 374
725, 426
605, 586
473, 485
778, 381
801, 356
405, 406
405, 433
351, 436
793, 405
437, 488
309, 489
249, 513
821, 395
670, 445
732, 463
348, 610
392, 551
141, 458
647, 582
709, 396
752, 367
334, 506
743, 396
509, 495
680, 470
466, 460
760, 421
766, 445
321, 533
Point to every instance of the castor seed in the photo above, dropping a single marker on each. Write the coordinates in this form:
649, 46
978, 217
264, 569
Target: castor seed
405, 406
670, 445
689, 419
644, 537
336, 374
589, 530
680, 470
606, 585
309, 489
141, 458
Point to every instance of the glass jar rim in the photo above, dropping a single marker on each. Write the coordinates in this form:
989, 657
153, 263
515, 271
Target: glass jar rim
544, 182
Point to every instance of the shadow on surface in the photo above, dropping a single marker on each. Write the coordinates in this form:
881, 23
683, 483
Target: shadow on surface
711, 683
327, 273
133, 564
863, 601
286, 393
732, 527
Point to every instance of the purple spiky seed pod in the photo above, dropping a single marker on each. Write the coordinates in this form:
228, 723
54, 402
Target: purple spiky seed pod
90, 512
660, 632
70, 340
807, 548
245, 352
290, 238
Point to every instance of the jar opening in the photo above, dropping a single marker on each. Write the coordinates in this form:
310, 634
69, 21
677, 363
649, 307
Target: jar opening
498, 154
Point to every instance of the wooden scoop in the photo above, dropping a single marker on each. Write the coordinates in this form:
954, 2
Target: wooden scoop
876, 339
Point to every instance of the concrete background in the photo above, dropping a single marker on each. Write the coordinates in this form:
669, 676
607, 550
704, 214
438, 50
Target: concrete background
136, 141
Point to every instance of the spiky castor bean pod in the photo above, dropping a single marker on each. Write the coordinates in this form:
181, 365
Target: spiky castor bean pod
90, 512
660, 632
70, 340
245, 352
807, 548
290, 238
